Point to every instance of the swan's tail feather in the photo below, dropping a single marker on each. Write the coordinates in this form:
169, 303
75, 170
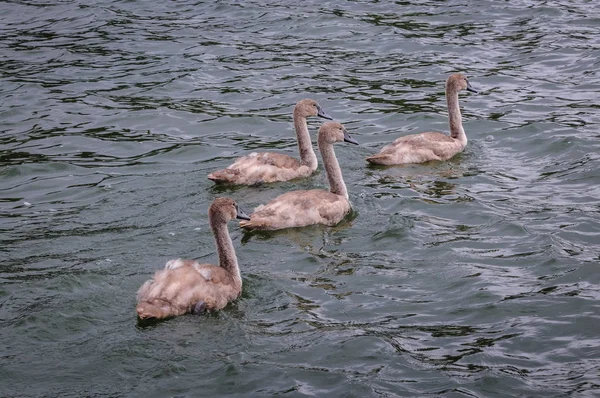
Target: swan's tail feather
246, 224
223, 176
252, 224
379, 159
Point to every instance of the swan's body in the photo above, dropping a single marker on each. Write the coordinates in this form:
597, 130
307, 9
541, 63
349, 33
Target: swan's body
263, 167
187, 286
423, 147
315, 206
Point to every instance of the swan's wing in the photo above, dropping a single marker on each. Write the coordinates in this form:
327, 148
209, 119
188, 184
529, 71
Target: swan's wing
298, 209
213, 274
261, 167
417, 148
442, 145
175, 291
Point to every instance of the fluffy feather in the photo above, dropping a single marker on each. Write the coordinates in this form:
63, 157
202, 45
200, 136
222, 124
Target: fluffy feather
316, 206
265, 167
183, 284
299, 209
423, 147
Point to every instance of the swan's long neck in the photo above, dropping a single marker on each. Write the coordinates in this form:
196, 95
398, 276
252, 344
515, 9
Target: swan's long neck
225, 251
454, 116
332, 168
307, 154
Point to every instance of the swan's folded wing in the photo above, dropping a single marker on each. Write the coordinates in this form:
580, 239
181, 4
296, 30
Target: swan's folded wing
260, 168
417, 148
442, 145
173, 292
299, 209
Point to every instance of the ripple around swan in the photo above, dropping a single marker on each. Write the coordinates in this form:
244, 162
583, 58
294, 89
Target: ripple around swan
472, 277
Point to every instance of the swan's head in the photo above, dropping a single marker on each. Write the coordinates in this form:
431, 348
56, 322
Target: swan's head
458, 82
331, 132
308, 107
225, 209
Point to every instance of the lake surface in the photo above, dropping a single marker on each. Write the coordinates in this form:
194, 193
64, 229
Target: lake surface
476, 277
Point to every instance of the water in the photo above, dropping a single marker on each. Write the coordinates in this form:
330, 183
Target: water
473, 277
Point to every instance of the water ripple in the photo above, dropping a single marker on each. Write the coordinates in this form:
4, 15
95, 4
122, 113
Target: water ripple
473, 277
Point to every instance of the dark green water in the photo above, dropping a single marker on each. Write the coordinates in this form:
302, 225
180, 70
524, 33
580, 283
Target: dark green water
476, 277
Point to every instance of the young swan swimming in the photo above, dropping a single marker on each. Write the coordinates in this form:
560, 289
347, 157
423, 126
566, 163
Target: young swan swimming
258, 168
418, 148
316, 206
188, 286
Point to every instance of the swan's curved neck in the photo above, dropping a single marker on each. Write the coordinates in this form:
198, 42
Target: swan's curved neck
332, 168
225, 251
307, 154
454, 116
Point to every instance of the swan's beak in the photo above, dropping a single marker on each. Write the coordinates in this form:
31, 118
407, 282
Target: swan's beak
321, 113
349, 139
471, 89
242, 215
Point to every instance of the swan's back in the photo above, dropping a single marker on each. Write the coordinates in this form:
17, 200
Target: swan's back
188, 286
261, 167
265, 167
299, 209
423, 147
175, 291
417, 148
316, 206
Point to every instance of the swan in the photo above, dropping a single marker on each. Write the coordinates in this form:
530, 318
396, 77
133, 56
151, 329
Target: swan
315, 206
186, 285
263, 167
418, 148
